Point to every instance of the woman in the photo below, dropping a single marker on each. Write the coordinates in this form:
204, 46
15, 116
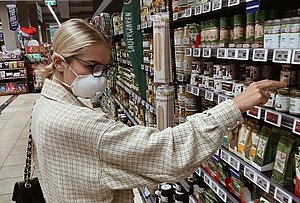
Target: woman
84, 156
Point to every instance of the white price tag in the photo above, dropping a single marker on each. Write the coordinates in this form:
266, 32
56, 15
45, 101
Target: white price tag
188, 52
235, 163
273, 118
233, 2
142, 67
206, 7
221, 98
146, 68
181, 77
144, 25
243, 54
225, 156
282, 55
282, 196
175, 16
138, 27
221, 53
206, 53
189, 88
214, 186
296, 127
188, 12
198, 10
250, 174
195, 91
222, 194
260, 55
149, 24
196, 52
216, 5
296, 56
231, 53
207, 179
263, 183
255, 112
209, 95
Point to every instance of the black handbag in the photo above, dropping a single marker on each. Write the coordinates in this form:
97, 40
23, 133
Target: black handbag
28, 190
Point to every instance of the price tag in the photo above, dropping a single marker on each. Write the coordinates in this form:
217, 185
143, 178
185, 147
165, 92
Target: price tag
188, 12
222, 194
188, 52
138, 27
273, 118
196, 52
149, 24
233, 2
207, 179
225, 156
263, 183
198, 10
296, 56
216, 5
282, 196
206, 7
214, 187
282, 55
221, 98
255, 112
175, 16
206, 53
195, 91
296, 127
260, 55
142, 67
234, 163
221, 53
243, 54
250, 174
231, 53
189, 88
209, 95
146, 68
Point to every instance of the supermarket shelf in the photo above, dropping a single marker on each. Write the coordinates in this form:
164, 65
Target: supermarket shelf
284, 56
283, 119
126, 112
146, 196
148, 69
253, 173
136, 97
147, 26
9, 69
216, 187
13, 78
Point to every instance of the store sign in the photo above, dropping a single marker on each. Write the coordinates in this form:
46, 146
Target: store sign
12, 17
134, 41
39, 12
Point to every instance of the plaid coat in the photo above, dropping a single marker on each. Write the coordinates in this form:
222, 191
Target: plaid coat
85, 156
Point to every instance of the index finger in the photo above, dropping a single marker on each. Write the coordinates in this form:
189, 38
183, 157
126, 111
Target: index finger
269, 84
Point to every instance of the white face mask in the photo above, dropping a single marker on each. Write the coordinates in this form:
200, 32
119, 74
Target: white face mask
86, 86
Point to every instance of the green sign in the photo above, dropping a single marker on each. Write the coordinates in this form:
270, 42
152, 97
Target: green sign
134, 41
50, 2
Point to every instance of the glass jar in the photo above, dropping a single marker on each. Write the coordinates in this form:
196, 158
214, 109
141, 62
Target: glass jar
276, 33
295, 33
218, 73
166, 193
215, 33
203, 34
187, 61
239, 29
224, 32
268, 34
255, 73
186, 36
259, 28
194, 35
288, 75
282, 100
250, 34
295, 102
285, 33
180, 197
271, 101
267, 72
207, 33
230, 73
231, 30
194, 76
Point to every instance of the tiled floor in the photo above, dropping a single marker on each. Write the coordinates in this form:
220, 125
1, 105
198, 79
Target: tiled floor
14, 125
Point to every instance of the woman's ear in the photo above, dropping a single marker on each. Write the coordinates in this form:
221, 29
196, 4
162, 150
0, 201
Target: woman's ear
58, 63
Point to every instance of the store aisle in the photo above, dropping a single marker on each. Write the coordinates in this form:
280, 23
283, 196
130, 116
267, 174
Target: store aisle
14, 125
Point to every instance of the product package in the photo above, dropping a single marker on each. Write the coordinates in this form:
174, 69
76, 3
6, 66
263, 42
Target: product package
244, 141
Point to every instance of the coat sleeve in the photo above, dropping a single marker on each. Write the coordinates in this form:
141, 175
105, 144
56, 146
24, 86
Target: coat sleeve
136, 156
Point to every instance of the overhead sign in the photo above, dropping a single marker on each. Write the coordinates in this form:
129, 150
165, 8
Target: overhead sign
50, 2
12, 17
39, 12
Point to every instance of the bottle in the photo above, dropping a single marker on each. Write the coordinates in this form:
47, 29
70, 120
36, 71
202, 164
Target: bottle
250, 34
224, 32
259, 27
239, 29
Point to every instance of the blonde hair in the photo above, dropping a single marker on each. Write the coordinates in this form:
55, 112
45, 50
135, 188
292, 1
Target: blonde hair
71, 37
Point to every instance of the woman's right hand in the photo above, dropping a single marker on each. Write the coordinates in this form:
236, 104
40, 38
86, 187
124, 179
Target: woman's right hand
256, 94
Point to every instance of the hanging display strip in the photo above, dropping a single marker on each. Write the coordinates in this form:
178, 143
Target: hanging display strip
253, 172
126, 112
148, 106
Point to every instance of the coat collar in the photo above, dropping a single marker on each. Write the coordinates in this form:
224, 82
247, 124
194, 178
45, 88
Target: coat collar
57, 92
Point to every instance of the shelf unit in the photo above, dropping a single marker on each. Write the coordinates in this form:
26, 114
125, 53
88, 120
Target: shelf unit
131, 118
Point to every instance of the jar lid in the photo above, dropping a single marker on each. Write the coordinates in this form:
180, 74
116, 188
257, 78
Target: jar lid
260, 16
166, 187
224, 22
250, 18
238, 20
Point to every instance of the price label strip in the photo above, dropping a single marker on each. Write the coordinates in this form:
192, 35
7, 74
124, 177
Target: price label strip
221, 98
221, 53
282, 196
225, 156
216, 5
282, 55
198, 10
188, 52
235, 163
214, 187
250, 174
206, 7
231, 53
209, 95
296, 56
243, 54
273, 118
222, 194
207, 180
260, 55
233, 2
189, 89
206, 53
195, 91
263, 183
255, 112
196, 52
